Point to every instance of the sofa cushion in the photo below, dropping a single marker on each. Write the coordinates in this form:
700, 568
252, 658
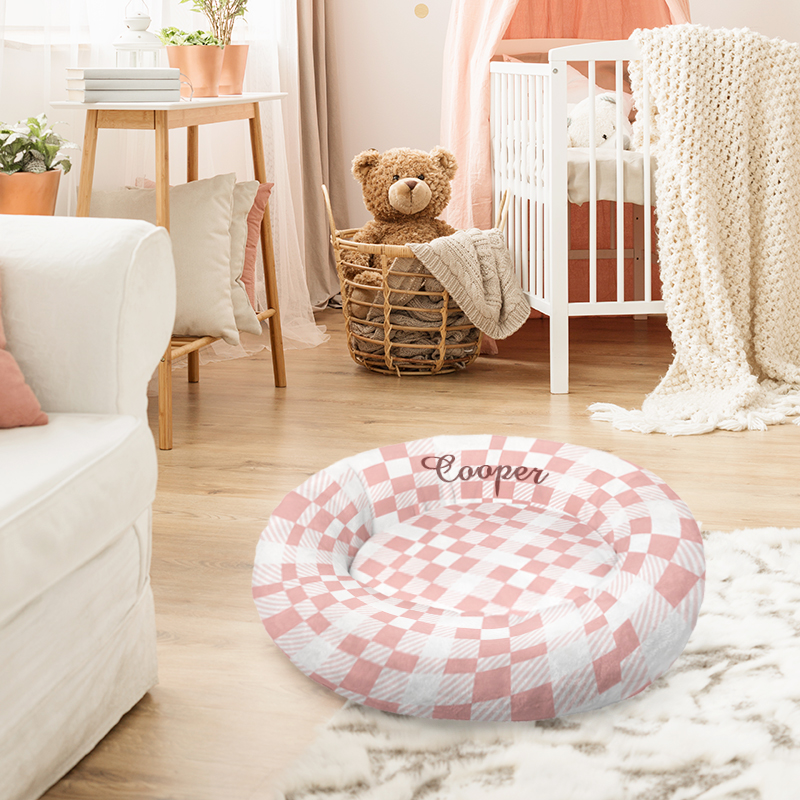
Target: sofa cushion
60, 498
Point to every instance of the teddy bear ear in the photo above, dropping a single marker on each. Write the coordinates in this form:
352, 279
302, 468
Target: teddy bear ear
364, 162
446, 160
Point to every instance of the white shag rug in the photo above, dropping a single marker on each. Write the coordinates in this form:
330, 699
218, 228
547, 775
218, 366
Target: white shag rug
724, 722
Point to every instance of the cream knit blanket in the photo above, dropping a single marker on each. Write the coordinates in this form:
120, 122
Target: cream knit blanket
726, 129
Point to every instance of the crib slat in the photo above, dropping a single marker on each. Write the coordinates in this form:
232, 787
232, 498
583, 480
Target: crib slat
648, 216
592, 184
620, 190
524, 178
516, 123
493, 122
541, 105
531, 162
557, 279
506, 157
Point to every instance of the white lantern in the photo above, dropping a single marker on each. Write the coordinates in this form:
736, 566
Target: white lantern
137, 47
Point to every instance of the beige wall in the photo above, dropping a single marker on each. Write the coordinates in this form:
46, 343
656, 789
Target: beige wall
778, 18
390, 77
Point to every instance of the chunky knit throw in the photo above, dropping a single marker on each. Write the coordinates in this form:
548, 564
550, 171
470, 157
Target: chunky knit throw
726, 131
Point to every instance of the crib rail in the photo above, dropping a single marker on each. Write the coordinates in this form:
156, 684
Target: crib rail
531, 160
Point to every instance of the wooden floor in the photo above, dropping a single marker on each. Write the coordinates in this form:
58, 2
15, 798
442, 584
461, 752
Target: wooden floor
230, 711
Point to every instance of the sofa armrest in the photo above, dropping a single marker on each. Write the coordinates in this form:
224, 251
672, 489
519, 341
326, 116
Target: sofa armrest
88, 308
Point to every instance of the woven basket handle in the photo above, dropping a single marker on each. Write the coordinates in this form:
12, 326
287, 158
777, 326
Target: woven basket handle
502, 212
331, 223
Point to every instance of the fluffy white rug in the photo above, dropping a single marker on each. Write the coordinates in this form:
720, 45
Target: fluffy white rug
724, 722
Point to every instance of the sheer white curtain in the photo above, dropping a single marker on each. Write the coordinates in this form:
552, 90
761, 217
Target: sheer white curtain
41, 38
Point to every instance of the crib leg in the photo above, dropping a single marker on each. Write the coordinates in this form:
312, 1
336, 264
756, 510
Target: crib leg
559, 354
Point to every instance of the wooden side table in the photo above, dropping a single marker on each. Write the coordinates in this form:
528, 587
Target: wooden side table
161, 118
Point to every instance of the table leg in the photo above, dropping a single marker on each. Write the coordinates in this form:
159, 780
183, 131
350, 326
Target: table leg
87, 164
162, 219
193, 372
162, 169
165, 401
268, 255
192, 140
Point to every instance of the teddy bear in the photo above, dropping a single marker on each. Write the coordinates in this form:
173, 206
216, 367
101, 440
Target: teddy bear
605, 123
405, 190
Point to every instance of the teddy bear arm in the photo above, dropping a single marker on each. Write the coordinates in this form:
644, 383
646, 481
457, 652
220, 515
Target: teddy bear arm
442, 228
371, 233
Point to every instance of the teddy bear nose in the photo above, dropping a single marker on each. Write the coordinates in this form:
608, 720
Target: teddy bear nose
411, 183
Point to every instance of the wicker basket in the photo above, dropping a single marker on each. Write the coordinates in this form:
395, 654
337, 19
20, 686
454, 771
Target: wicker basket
387, 330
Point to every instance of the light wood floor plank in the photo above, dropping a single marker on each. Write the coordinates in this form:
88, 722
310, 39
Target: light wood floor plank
230, 711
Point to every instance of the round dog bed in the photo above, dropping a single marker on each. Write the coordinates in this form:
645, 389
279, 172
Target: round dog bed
481, 577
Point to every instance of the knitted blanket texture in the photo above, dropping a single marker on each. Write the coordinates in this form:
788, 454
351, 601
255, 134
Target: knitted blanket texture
476, 269
726, 133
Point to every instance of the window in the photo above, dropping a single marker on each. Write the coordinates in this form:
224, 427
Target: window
65, 22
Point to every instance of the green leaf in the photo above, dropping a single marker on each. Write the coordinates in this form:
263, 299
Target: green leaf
175, 36
32, 146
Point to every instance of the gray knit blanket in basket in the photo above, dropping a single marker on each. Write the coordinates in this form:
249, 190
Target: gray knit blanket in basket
475, 268
421, 312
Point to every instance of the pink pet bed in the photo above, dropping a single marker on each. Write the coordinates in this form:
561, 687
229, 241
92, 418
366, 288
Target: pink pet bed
481, 577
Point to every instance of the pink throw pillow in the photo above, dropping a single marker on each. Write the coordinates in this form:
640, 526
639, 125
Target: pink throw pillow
253, 233
18, 404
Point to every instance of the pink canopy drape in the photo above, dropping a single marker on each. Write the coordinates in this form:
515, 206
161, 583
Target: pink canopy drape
475, 29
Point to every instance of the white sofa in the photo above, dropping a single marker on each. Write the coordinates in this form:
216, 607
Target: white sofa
88, 307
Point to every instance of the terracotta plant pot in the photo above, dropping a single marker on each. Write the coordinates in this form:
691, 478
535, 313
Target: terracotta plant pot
29, 192
233, 67
201, 64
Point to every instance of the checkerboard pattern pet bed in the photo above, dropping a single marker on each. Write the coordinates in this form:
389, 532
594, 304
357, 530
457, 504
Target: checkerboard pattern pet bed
481, 577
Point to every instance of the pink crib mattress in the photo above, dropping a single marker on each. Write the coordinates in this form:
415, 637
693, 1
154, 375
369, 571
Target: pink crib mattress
481, 577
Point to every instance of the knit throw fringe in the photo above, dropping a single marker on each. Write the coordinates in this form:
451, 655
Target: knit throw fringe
726, 132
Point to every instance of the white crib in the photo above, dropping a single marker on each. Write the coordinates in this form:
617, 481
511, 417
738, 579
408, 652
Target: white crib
531, 161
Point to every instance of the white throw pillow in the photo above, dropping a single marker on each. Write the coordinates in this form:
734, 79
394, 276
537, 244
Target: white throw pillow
244, 195
200, 222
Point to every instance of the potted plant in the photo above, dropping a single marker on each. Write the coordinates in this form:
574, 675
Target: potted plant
198, 55
221, 15
31, 163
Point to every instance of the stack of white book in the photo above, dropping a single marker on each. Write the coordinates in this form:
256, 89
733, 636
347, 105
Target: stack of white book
124, 85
